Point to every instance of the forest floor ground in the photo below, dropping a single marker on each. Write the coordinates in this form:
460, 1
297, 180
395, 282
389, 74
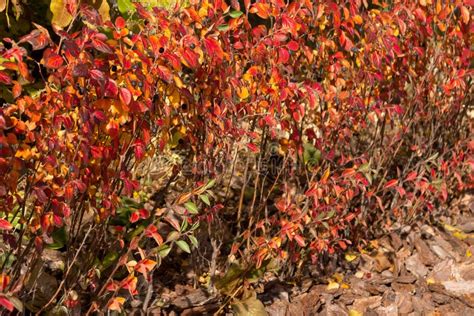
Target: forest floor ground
426, 268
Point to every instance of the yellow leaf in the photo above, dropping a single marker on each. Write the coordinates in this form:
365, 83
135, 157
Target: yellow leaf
460, 235
243, 93
178, 82
333, 286
353, 312
358, 19
345, 286
104, 11
175, 98
247, 77
350, 257
430, 281
468, 253
61, 18
338, 277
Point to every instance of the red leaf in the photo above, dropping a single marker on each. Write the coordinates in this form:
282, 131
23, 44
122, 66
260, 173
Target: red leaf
400, 191
125, 95
300, 240
134, 217
112, 128
5, 225
144, 214
120, 22
420, 15
191, 58
213, 48
130, 284
111, 88
391, 183
71, 6
293, 46
5, 78
253, 147
411, 176
5, 302
97, 75
52, 60
164, 73
139, 149
101, 46
99, 115
283, 55
38, 38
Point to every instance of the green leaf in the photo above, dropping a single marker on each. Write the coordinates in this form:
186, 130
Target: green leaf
311, 155
236, 14
137, 231
109, 259
364, 168
249, 306
223, 27
191, 207
194, 240
230, 280
210, 184
195, 226
183, 245
59, 238
205, 199
125, 6
164, 250
184, 225
330, 214
172, 236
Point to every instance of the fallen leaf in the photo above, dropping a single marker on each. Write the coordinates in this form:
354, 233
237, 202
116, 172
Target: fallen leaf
353, 312
350, 257
333, 285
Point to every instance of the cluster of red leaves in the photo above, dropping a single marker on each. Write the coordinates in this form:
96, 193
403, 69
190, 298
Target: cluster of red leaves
366, 85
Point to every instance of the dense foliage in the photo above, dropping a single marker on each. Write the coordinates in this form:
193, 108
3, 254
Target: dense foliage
348, 116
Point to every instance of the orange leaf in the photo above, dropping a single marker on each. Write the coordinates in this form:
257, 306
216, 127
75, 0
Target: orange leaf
145, 266
348, 172
116, 304
4, 281
261, 9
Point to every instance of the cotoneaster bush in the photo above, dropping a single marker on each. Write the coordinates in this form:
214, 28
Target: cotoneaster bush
366, 103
